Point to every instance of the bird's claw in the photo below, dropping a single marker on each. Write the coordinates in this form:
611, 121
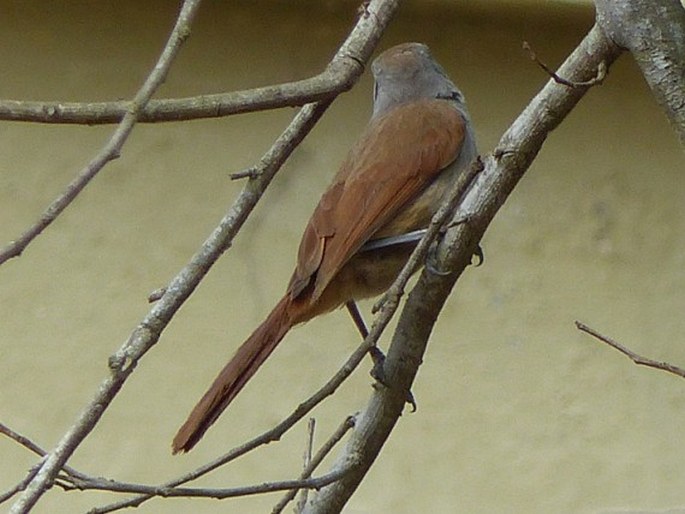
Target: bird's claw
378, 374
480, 256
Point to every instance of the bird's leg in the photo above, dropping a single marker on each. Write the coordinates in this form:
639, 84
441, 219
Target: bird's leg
357, 318
375, 352
377, 372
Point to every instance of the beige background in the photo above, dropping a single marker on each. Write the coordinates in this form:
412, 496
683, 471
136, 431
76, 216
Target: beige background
518, 412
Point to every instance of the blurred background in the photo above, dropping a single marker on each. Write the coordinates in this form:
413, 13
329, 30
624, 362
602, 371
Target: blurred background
518, 411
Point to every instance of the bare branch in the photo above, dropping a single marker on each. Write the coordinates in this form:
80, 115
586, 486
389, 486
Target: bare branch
203, 492
637, 359
80, 481
83, 482
21, 486
22, 440
597, 80
339, 76
503, 169
307, 457
112, 148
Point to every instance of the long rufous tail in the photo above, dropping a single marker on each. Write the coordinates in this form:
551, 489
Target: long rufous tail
246, 361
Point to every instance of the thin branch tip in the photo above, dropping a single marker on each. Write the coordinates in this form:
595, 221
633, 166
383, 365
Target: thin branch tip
251, 173
156, 295
597, 80
635, 357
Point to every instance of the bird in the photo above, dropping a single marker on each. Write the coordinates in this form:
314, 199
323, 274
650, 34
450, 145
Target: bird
369, 219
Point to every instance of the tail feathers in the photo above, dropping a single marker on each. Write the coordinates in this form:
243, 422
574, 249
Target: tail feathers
242, 366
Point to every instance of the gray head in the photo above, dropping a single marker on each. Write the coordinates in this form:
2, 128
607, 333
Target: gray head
408, 72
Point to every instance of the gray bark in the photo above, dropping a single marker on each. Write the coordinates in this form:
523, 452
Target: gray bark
654, 33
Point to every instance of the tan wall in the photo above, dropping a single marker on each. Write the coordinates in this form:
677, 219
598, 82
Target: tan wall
518, 412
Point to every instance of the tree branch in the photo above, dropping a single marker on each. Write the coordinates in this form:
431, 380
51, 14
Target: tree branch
206, 492
503, 169
75, 480
35, 448
339, 76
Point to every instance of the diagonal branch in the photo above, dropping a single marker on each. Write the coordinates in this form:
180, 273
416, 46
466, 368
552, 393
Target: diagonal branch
35, 448
503, 169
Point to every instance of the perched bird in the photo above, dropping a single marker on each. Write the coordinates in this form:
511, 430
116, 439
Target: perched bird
360, 235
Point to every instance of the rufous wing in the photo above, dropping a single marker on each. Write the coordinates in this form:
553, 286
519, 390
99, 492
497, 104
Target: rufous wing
398, 155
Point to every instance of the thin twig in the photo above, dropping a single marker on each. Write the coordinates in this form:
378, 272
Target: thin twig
21, 485
22, 440
113, 147
204, 492
637, 359
35, 448
344, 427
596, 80
75, 480
307, 458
